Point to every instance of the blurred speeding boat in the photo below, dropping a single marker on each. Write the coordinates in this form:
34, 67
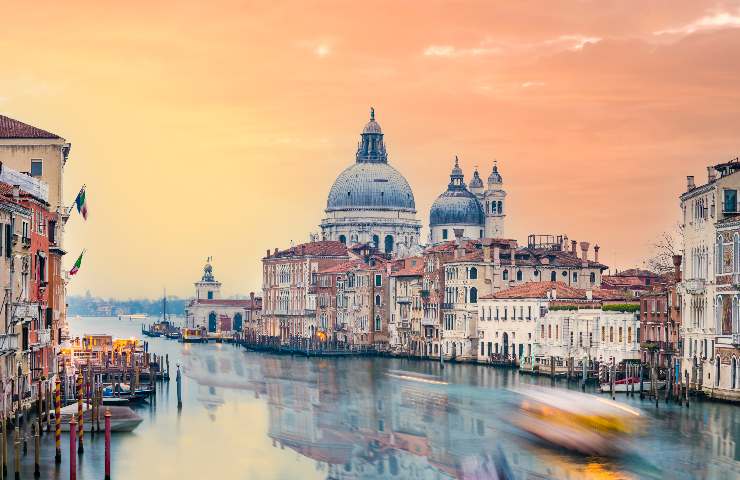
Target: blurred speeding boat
579, 422
123, 419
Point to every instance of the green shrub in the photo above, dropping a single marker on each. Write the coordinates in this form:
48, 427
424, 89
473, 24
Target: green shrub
621, 307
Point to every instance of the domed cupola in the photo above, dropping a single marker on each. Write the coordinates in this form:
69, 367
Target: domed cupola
476, 182
495, 177
456, 207
370, 201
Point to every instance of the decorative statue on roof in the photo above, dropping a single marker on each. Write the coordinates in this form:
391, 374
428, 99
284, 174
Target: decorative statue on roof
208, 271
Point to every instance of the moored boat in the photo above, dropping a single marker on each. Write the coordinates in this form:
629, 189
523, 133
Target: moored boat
193, 335
122, 419
625, 385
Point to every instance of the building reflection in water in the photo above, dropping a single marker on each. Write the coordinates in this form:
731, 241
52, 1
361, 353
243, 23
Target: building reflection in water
359, 419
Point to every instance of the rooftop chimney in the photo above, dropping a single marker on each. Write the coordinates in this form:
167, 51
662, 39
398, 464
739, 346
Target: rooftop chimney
460, 249
596, 253
276, 250
268, 253
573, 244
16, 191
564, 244
589, 294
690, 185
677, 267
711, 174
584, 254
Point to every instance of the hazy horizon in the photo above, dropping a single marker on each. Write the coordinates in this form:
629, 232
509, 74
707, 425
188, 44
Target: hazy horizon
204, 130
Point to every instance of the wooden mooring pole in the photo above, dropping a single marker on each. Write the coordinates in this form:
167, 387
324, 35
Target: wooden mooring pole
107, 444
72, 453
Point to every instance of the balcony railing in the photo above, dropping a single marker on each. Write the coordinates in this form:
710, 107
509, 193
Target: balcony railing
448, 306
26, 310
429, 322
403, 299
9, 342
43, 337
695, 285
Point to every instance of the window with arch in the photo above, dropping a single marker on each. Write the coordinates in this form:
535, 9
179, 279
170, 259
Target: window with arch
629, 334
376, 241
377, 300
473, 273
733, 372
592, 277
620, 335
603, 334
388, 243
519, 275
500, 207
505, 275
611, 334
575, 277
353, 238
557, 331
717, 371
473, 295
343, 239
553, 276
377, 323
719, 255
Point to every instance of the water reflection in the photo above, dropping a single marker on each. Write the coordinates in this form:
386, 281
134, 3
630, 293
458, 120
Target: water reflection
380, 418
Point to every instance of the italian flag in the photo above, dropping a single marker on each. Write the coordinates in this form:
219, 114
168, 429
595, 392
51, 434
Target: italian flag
77, 265
81, 203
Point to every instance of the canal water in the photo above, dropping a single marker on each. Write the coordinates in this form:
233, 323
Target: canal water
259, 416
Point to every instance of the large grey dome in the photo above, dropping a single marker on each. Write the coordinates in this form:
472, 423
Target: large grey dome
456, 207
371, 186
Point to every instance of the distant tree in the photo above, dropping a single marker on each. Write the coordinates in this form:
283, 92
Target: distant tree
668, 244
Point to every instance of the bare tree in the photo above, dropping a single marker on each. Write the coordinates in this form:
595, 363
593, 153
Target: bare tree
668, 244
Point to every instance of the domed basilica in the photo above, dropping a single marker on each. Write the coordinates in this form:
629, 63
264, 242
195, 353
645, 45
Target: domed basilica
371, 201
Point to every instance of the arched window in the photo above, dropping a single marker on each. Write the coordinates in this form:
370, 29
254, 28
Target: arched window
212, 322
519, 275
549, 331
620, 335
353, 238
733, 372
493, 207
719, 255
505, 275
575, 277
611, 334
629, 334
376, 241
553, 276
473, 295
377, 323
343, 239
238, 322
377, 300
500, 207
717, 371
473, 273
388, 243
592, 277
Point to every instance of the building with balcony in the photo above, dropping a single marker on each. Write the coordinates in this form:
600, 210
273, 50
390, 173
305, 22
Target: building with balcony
708, 257
405, 327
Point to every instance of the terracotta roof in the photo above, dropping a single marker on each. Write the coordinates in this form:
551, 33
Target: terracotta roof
10, 128
410, 271
562, 292
539, 290
636, 272
341, 267
555, 258
229, 302
323, 248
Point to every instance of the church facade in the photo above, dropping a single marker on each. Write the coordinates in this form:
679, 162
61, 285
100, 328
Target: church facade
370, 201
220, 316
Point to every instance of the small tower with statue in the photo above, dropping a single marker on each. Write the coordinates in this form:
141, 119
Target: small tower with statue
208, 288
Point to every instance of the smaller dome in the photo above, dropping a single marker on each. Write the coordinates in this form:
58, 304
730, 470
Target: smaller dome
456, 207
476, 182
495, 177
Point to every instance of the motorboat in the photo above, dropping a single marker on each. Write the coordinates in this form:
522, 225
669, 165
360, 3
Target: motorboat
579, 422
193, 335
122, 419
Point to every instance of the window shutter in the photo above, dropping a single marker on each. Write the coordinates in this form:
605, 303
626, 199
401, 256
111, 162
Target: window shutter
8, 241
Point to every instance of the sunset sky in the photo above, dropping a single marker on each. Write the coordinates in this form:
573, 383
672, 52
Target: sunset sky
216, 128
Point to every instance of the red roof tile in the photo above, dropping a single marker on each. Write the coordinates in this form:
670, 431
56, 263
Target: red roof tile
10, 128
539, 290
225, 302
323, 248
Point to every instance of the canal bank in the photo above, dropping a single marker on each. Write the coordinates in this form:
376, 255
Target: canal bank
262, 416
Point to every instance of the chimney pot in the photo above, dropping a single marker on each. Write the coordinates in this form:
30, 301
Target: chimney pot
711, 174
16, 191
677, 267
596, 253
573, 244
276, 250
584, 250
690, 185
268, 253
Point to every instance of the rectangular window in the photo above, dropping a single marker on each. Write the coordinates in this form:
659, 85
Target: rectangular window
378, 280
444, 234
37, 168
730, 200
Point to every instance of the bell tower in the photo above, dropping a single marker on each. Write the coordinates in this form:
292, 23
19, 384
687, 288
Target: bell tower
494, 204
208, 288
